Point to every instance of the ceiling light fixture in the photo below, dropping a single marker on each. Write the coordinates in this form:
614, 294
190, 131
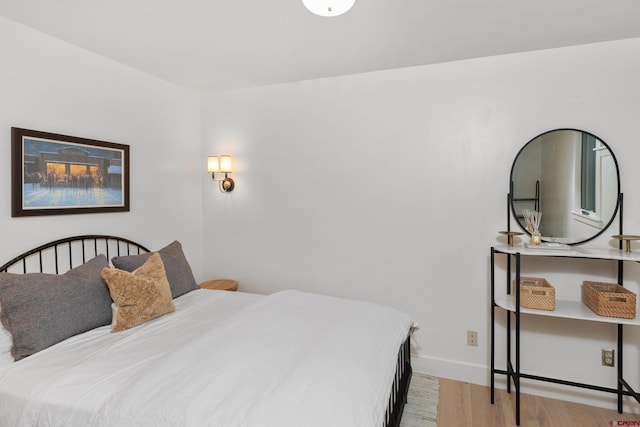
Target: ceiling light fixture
328, 7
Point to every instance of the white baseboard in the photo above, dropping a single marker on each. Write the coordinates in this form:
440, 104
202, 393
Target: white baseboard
479, 374
459, 371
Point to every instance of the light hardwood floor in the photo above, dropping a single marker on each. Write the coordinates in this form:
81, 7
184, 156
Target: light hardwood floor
464, 404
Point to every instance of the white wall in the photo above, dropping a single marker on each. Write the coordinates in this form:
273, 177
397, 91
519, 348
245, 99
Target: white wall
51, 86
557, 188
391, 187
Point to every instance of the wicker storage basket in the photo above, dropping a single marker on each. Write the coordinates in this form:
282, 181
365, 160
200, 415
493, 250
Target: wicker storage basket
536, 292
609, 299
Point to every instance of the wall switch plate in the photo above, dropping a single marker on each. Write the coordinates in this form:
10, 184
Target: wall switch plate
608, 357
472, 338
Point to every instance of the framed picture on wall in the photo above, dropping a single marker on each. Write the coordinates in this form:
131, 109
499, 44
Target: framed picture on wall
55, 174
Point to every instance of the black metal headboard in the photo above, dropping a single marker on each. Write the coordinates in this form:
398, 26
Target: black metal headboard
64, 254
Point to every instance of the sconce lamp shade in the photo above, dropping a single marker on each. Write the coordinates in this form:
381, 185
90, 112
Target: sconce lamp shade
213, 164
328, 7
225, 164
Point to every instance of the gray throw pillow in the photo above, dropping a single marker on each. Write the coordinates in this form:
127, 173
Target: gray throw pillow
40, 310
179, 272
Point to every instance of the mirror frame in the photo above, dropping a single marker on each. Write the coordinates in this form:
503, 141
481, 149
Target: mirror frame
512, 208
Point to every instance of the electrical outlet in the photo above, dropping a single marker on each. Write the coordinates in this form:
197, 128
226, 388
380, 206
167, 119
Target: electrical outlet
608, 357
472, 338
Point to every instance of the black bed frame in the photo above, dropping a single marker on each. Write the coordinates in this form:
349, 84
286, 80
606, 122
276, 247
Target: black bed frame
400, 387
64, 254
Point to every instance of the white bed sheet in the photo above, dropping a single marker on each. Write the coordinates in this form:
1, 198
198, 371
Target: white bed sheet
5, 347
221, 359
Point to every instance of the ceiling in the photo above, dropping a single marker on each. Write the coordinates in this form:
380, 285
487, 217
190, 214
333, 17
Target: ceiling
207, 45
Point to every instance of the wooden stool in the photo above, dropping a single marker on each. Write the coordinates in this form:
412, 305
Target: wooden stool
220, 284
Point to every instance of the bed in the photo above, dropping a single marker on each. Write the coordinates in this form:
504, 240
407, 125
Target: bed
214, 358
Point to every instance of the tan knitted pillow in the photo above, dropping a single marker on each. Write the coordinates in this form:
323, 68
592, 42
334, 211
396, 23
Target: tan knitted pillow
139, 296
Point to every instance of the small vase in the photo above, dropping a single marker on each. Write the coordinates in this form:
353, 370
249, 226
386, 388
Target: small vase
536, 238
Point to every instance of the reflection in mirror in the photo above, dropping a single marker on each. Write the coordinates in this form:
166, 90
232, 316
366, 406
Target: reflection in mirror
572, 177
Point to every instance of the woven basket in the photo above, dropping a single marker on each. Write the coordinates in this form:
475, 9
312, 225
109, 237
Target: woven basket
537, 293
609, 299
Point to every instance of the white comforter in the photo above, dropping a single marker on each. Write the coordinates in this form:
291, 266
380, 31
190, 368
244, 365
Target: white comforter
221, 359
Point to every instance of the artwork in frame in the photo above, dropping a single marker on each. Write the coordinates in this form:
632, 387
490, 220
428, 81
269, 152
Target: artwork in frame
54, 174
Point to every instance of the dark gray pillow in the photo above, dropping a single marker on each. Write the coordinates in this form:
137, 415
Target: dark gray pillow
179, 272
40, 310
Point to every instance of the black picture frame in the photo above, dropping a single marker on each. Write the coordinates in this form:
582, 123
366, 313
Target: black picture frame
53, 174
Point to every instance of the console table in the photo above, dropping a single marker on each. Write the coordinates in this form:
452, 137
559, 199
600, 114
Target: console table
564, 309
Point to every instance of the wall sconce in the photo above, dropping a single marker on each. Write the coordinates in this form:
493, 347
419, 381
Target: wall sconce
221, 164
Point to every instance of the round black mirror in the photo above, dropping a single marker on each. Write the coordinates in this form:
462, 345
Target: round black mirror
572, 177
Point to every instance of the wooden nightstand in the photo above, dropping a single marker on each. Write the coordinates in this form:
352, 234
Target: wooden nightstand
220, 284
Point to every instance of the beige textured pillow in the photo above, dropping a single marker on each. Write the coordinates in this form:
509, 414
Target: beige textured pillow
139, 296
